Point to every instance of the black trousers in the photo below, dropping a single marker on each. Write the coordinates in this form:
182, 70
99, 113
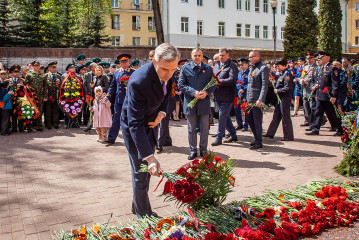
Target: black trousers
255, 120
327, 108
5, 118
282, 113
51, 113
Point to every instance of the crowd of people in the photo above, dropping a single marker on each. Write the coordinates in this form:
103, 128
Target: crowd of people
246, 86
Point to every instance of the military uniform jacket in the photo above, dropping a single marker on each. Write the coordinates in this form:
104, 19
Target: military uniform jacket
194, 78
328, 77
14, 82
258, 81
242, 77
307, 84
285, 84
53, 84
118, 87
38, 83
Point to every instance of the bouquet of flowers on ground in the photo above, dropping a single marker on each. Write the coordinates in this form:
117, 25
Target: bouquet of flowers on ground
199, 183
214, 82
71, 96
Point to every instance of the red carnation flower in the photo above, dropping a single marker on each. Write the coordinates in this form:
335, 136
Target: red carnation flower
320, 194
21, 94
18, 107
325, 90
27, 121
269, 212
244, 223
19, 113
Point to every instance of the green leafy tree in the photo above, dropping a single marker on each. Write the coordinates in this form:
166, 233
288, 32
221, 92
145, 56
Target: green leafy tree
301, 28
31, 26
330, 28
7, 25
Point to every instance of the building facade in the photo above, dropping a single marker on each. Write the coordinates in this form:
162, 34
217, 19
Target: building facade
133, 23
223, 23
353, 26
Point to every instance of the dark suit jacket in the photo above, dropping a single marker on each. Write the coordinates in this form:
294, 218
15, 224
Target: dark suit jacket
228, 78
100, 81
143, 101
329, 77
258, 81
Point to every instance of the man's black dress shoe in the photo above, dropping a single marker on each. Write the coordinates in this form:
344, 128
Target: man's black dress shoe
253, 143
304, 124
308, 129
338, 134
312, 133
286, 139
192, 156
231, 139
239, 127
159, 148
256, 146
202, 154
267, 136
217, 142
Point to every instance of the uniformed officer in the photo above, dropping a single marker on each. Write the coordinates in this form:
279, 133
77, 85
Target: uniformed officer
284, 88
242, 84
88, 66
53, 80
81, 62
118, 65
14, 82
135, 64
328, 79
105, 66
206, 58
256, 93
343, 86
298, 87
37, 81
118, 87
96, 60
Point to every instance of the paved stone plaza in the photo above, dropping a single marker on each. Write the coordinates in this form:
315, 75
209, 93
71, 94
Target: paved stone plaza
59, 179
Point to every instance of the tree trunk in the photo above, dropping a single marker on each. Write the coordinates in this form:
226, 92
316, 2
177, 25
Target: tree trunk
158, 22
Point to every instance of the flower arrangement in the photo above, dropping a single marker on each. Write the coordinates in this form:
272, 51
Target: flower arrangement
214, 82
25, 100
71, 96
125, 79
326, 90
320, 205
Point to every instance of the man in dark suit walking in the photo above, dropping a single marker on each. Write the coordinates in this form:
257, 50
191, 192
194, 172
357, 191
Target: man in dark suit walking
143, 109
256, 94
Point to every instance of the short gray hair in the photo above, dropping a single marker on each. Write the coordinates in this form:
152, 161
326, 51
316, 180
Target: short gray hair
167, 52
224, 50
93, 65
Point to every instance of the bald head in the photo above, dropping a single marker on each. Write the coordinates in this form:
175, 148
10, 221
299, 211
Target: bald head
254, 56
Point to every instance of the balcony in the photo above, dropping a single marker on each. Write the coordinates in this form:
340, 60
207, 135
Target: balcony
137, 6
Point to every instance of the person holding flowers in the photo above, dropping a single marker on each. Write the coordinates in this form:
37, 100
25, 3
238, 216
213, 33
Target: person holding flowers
102, 118
53, 80
343, 86
5, 106
242, 84
327, 86
193, 79
283, 88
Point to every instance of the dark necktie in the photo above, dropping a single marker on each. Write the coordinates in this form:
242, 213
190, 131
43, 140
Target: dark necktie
164, 88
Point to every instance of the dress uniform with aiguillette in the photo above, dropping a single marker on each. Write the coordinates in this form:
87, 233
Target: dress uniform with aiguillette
118, 88
328, 78
51, 105
38, 83
14, 83
284, 87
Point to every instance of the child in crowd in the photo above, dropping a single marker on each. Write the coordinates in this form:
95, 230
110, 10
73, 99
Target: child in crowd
5, 106
102, 118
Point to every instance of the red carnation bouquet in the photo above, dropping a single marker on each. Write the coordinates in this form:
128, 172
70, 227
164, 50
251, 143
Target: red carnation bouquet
199, 183
125, 79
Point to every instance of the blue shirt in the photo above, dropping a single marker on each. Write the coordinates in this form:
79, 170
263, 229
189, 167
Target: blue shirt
242, 77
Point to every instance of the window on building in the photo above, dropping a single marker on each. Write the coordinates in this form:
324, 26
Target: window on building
115, 3
136, 4
184, 24
256, 5
282, 33
248, 30
221, 3
199, 27
239, 30
357, 6
239, 4
265, 6
199, 2
265, 32
248, 5
151, 24
115, 41
274, 32
136, 41
184, 1
116, 22
357, 23
356, 40
256, 31
152, 41
221, 28
136, 23
282, 8
149, 5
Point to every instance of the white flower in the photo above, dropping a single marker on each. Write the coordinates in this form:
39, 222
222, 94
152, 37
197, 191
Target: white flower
33, 112
22, 109
28, 117
28, 112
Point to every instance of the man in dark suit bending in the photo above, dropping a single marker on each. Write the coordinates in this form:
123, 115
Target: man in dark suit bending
143, 109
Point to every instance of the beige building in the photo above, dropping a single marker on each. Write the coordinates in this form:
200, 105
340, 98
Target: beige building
353, 26
133, 23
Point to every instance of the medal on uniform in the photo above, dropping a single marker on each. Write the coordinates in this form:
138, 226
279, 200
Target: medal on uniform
253, 73
336, 73
287, 78
203, 71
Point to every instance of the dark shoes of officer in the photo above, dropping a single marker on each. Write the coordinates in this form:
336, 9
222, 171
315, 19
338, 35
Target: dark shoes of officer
108, 142
217, 142
338, 134
312, 133
231, 139
286, 139
245, 130
159, 148
87, 129
202, 154
304, 125
192, 156
239, 127
308, 129
267, 136
153, 214
256, 146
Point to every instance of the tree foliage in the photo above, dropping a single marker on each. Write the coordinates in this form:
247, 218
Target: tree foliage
52, 23
301, 28
330, 28
7, 26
